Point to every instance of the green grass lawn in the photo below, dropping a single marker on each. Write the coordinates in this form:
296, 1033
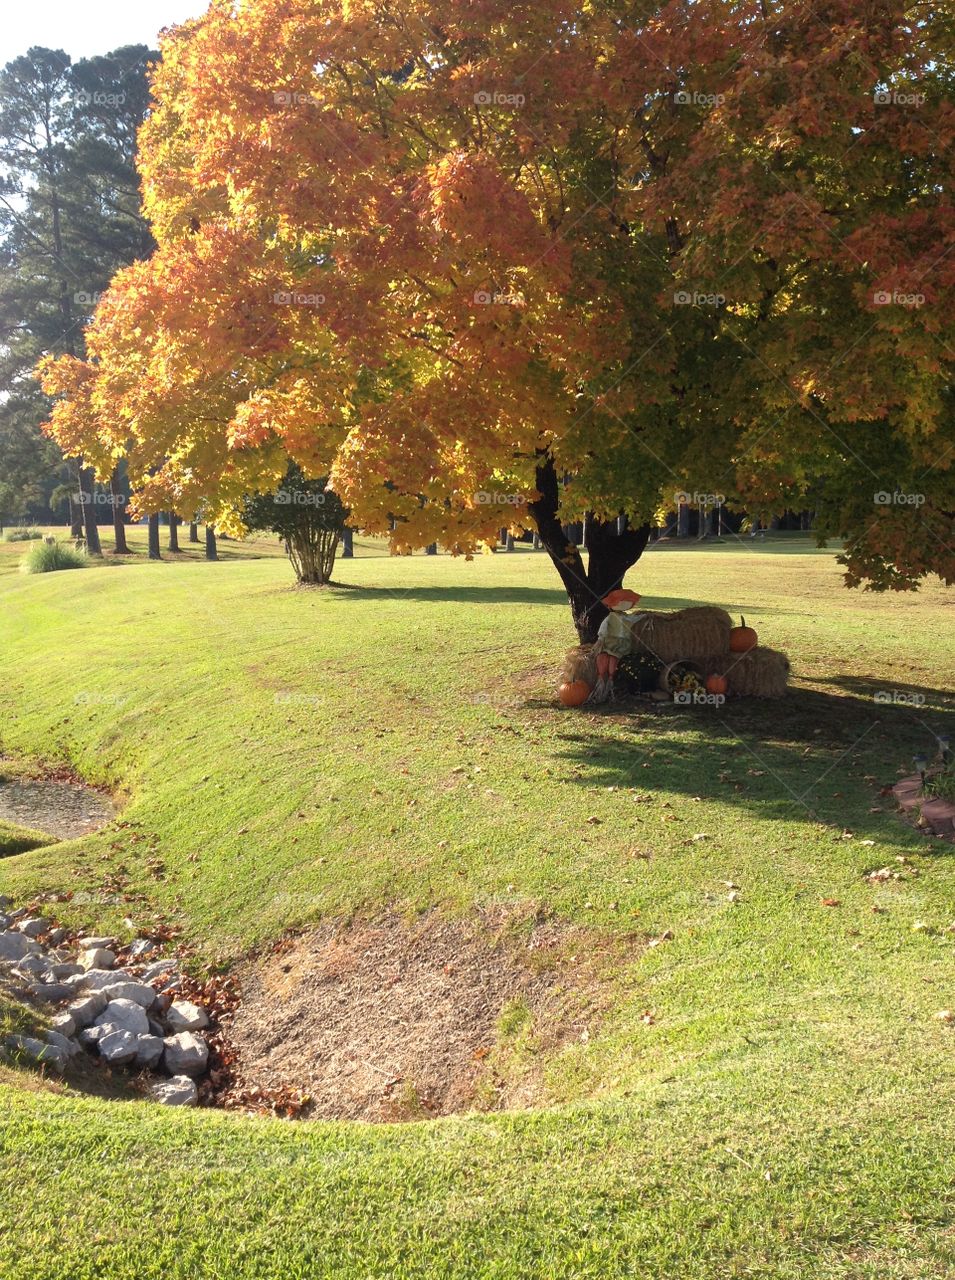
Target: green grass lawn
287, 756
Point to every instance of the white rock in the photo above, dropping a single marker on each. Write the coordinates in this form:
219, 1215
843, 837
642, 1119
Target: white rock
95, 980
117, 1045
14, 946
158, 968
59, 1041
126, 1014
37, 1051
90, 1036
63, 1024
96, 944
50, 992
62, 971
186, 1054
180, 1091
34, 926
149, 1049
183, 1015
97, 958
139, 992
82, 1012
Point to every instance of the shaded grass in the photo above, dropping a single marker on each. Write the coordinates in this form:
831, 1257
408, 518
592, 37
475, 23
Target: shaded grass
766, 1094
16, 839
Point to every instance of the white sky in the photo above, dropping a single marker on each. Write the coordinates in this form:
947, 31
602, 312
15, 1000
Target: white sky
86, 27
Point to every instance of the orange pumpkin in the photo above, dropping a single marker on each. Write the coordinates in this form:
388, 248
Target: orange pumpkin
573, 693
742, 638
716, 684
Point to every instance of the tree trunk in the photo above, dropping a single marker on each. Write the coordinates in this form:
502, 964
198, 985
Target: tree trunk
348, 544
610, 554
75, 501
312, 552
90, 527
212, 552
120, 546
193, 531
683, 520
154, 552
173, 531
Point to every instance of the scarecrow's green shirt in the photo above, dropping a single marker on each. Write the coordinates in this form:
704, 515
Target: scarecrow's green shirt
615, 635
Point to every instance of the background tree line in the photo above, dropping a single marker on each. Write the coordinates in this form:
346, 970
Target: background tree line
70, 217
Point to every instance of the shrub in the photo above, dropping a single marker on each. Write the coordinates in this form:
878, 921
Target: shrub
48, 556
23, 535
309, 519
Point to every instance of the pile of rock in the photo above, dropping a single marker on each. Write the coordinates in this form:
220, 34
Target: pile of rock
127, 1016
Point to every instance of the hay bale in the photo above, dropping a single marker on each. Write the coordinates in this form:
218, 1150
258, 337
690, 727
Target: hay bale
580, 663
760, 673
687, 634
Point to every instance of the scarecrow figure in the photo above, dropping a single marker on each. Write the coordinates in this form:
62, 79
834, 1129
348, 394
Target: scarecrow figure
614, 640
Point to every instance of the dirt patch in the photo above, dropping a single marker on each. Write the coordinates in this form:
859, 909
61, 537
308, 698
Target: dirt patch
62, 809
388, 1021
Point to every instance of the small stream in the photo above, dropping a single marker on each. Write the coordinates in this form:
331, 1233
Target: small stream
66, 810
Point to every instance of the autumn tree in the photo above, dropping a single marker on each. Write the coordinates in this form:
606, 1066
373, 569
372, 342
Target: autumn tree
489, 263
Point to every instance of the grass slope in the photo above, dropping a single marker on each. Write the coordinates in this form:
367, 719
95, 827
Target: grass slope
288, 755
17, 839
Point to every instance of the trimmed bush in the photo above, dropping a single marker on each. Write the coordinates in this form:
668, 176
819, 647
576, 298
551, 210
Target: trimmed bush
47, 557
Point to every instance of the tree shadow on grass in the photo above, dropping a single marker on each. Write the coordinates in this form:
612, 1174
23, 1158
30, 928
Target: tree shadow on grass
812, 756
492, 594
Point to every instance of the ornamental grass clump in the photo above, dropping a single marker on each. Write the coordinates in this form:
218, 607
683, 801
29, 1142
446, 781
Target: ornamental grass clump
49, 556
